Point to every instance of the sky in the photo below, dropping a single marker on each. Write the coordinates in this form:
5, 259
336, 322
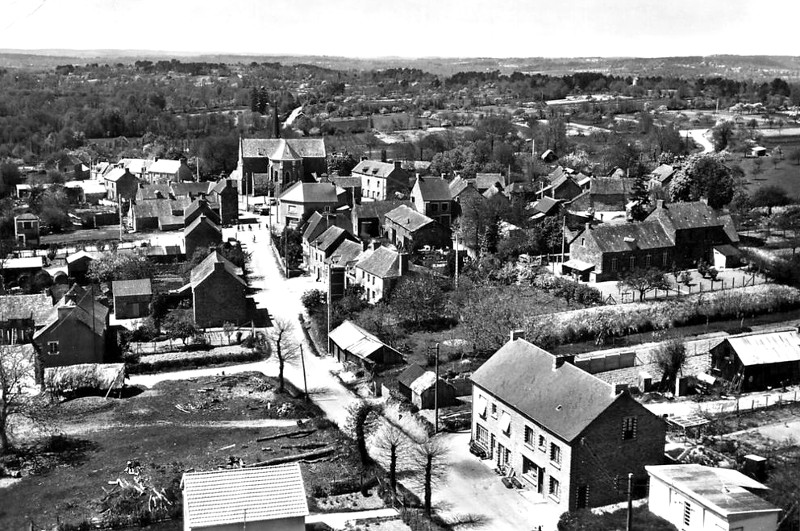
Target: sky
408, 28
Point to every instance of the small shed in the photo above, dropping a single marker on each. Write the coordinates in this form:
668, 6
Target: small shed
577, 268
419, 386
726, 256
755, 362
351, 343
406, 378
132, 298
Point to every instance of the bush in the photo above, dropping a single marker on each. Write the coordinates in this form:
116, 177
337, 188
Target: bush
191, 360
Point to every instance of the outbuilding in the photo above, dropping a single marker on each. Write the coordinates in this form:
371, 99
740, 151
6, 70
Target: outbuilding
755, 362
132, 298
351, 343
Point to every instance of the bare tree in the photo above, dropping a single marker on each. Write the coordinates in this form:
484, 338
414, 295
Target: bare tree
287, 349
16, 369
392, 445
430, 456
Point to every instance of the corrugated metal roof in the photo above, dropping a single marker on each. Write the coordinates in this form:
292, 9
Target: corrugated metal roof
425, 381
354, 339
241, 495
724, 491
761, 349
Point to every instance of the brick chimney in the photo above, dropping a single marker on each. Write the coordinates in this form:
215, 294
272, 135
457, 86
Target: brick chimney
559, 361
403, 263
659, 204
398, 165
517, 334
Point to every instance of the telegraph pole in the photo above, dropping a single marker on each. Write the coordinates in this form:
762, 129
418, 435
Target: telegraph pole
436, 391
305, 383
629, 526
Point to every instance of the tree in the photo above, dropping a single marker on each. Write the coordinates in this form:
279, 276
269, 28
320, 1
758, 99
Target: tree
640, 197
721, 135
670, 358
643, 281
770, 196
180, 325
392, 443
360, 420
341, 164
16, 369
228, 328
429, 456
418, 300
118, 266
794, 155
313, 300
704, 175
287, 349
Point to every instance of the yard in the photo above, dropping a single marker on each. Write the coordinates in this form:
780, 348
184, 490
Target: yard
198, 424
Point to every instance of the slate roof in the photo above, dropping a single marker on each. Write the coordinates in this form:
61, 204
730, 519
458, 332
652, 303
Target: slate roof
424, 382
644, 235
130, 288
284, 151
114, 174
564, 400
374, 168
383, 263
152, 208
378, 209
546, 204
354, 339
691, 215
153, 191
662, 173
327, 240
135, 165
223, 497
264, 147
346, 182
164, 166
301, 192
610, 186
433, 189
408, 376
317, 224
763, 349
217, 187
22, 307
27, 216
493, 190
189, 188
725, 491
28, 262
408, 218
346, 253
458, 185
196, 223
203, 205
487, 180
85, 309
205, 268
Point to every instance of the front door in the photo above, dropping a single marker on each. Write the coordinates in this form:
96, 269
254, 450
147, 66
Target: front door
540, 481
501, 455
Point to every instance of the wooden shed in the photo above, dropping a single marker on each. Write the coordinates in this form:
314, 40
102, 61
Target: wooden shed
350, 343
755, 362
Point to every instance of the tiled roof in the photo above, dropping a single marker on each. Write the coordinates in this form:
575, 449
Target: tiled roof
374, 168
238, 495
205, 268
126, 288
725, 491
563, 400
383, 263
629, 236
354, 339
433, 189
301, 192
264, 147
408, 218
196, 223
35, 307
346, 253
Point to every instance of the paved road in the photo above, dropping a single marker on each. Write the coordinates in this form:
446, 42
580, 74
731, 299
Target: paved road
700, 136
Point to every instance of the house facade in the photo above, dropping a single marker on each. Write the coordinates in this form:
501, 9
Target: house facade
757, 362
224, 193
201, 233
219, 294
379, 271
302, 199
409, 230
21, 316
431, 197
561, 430
26, 229
323, 247
381, 181
132, 298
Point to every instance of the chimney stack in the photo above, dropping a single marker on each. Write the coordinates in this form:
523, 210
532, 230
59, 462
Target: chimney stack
398, 165
588, 226
559, 361
517, 334
660, 204
403, 263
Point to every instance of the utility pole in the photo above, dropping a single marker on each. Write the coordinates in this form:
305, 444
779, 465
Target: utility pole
456, 242
305, 383
563, 239
119, 208
629, 526
436, 391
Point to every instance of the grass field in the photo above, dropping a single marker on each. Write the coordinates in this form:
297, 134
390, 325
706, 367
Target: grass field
783, 173
172, 428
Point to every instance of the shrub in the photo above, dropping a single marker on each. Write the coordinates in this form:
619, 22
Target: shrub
190, 360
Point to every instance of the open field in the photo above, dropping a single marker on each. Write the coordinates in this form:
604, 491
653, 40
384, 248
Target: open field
773, 171
174, 427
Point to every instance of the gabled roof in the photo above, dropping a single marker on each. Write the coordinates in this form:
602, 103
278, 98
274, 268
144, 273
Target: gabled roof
128, 288
383, 263
188, 188
319, 222
424, 382
203, 206
205, 268
347, 253
408, 218
374, 168
164, 166
411, 373
546, 204
487, 180
493, 190
346, 182
284, 151
152, 208
238, 495
217, 187
28, 262
27, 216
691, 215
628, 236
83, 255
724, 491
84, 307
565, 400
135, 165
301, 192
204, 221
562, 179
433, 189
766, 348
611, 186
329, 238
264, 147
153, 191
23, 307
354, 339
457, 186
114, 174
378, 209
662, 173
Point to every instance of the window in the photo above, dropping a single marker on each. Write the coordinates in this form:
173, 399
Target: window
647, 261
444, 207
664, 259
27, 224
482, 435
687, 513
494, 411
434, 207
292, 208
505, 424
613, 264
555, 453
529, 467
583, 242
52, 348
542, 443
629, 425
528, 436
481, 407
555, 488
632, 262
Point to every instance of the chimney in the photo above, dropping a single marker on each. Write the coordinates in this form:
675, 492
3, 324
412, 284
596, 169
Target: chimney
398, 165
588, 226
383, 155
704, 200
403, 263
363, 158
517, 334
219, 266
559, 361
659, 204
64, 311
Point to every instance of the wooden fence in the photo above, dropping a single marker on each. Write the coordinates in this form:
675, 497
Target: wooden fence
745, 280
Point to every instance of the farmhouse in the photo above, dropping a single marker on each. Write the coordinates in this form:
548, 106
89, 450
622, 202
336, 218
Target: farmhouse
368, 218
701, 497
379, 271
431, 197
302, 199
224, 193
258, 499
562, 430
324, 246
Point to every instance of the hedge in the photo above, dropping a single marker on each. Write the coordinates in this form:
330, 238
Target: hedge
605, 322
192, 360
